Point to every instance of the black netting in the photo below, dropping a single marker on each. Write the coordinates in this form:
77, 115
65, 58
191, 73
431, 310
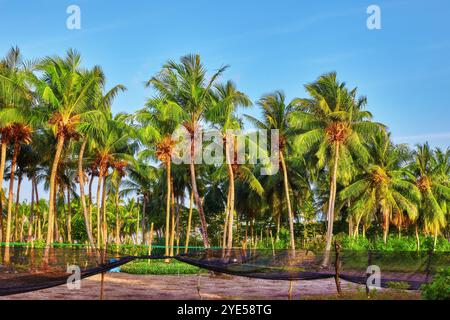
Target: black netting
25, 269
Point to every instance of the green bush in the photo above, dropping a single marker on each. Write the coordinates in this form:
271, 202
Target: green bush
159, 267
439, 288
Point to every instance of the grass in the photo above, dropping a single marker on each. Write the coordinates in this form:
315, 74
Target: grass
160, 267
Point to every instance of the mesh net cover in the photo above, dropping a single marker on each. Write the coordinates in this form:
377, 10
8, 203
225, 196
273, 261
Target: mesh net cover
23, 269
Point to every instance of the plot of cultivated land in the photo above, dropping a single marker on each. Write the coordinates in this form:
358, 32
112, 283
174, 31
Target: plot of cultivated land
119, 286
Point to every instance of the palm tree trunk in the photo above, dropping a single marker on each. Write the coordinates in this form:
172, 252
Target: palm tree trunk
11, 190
188, 230
98, 201
198, 203
2, 171
144, 208
51, 218
172, 222
117, 216
166, 233
286, 191
16, 210
417, 237
103, 208
230, 213
225, 222
87, 222
69, 217
330, 214
30, 224
91, 180
386, 225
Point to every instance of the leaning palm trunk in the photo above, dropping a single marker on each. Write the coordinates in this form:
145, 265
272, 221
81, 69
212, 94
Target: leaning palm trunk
386, 225
288, 201
87, 221
172, 227
117, 216
225, 222
51, 206
188, 230
2, 170
330, 214
198, 203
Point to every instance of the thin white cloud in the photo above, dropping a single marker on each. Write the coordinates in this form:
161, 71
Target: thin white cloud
423, 137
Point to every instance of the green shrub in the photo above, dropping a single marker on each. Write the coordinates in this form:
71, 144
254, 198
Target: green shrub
439, 288
159, 267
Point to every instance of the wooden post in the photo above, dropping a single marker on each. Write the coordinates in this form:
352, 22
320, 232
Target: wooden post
291, 286
102, 285
337, 267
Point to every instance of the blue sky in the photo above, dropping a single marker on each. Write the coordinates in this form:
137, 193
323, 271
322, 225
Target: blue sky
403, 68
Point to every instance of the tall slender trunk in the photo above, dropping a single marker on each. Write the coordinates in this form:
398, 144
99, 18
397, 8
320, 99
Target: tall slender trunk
231, 194
39, 224
31, 219
69, 217
198, 202
87, 222
91, 180
16, 210
117, 215
167, 230
144, 208
11, 190
98, 201
2, 171
225, 222
330, 214
417, 237
172, 222
104, 221
286, 191
188, 230
51, 205
386, 225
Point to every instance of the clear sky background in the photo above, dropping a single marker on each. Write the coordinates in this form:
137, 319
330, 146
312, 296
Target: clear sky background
403, 69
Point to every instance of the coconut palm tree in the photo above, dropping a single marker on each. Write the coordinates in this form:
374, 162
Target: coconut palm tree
226, 99
335, 125
433, 184
384, 185
184, 91
90, 128
276, 112
15, 101
68, 92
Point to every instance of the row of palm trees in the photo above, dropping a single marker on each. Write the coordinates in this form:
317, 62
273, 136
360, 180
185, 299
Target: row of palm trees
57, 130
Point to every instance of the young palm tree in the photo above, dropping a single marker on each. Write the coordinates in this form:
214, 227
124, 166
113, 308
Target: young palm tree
276, 114
335, 126
68, 92
382, 186
185, 94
